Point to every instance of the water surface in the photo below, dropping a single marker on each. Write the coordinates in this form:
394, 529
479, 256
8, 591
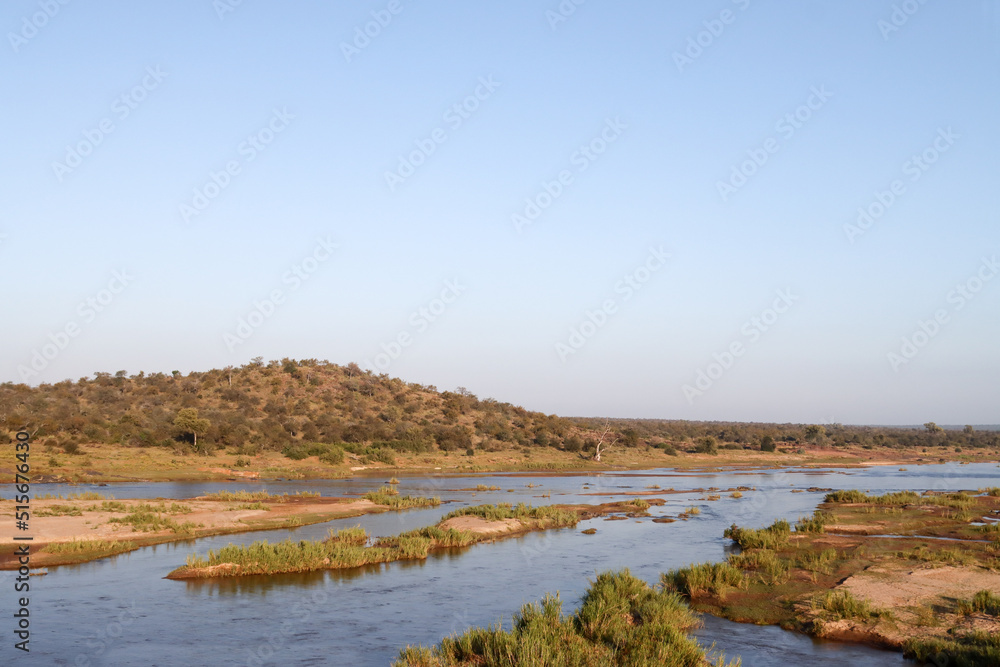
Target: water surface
120, 611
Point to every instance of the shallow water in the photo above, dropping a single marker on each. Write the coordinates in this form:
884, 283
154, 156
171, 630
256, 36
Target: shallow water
120, 611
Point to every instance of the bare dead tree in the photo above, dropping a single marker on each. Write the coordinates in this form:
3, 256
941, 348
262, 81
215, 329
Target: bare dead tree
607, 429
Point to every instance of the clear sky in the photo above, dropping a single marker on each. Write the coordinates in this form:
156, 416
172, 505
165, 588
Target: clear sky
632, 209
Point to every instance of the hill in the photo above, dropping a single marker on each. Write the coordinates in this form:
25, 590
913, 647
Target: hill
342, 416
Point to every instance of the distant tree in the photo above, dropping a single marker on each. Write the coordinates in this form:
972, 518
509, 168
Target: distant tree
573, 444
630, 437
767, 444
815, 432
597, 447
933, 428
707, 445
188, 422
968, 429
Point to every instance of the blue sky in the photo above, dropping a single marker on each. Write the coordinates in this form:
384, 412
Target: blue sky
738, 138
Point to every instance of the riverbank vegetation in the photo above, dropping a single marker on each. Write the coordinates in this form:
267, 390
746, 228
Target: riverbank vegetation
389, 497
918, 572
355, 548
310, 418
622, 622
75, 530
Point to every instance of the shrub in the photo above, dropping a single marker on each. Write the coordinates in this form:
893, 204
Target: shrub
296, 452
379, 455
896, 498
712, 578
974, 649
621, 621
249, 506
983, 602
707, 445
818, 562
546, 515
772, 569
333, 456
355, 535
146, 518
774, 536
843, 605
390, 497
816, 524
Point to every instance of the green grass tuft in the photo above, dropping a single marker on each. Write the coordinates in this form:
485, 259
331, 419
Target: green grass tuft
774, 536
622, 621
60, 510
713, 578
106, 547
843, 605
390, 497
984, 602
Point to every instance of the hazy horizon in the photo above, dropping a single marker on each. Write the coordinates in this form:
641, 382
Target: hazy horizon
733, 211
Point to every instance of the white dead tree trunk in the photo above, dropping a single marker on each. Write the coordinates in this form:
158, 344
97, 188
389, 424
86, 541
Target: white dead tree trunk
607, 429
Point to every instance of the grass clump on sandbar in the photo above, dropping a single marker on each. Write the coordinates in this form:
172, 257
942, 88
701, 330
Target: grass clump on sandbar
104, 547
622, 622
390, 497
350, 547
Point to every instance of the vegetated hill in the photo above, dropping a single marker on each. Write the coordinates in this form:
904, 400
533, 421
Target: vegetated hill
291, 406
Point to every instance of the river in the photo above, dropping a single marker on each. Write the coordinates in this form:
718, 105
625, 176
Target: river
121, 611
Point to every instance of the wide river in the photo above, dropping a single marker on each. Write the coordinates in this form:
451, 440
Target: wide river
121, 611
